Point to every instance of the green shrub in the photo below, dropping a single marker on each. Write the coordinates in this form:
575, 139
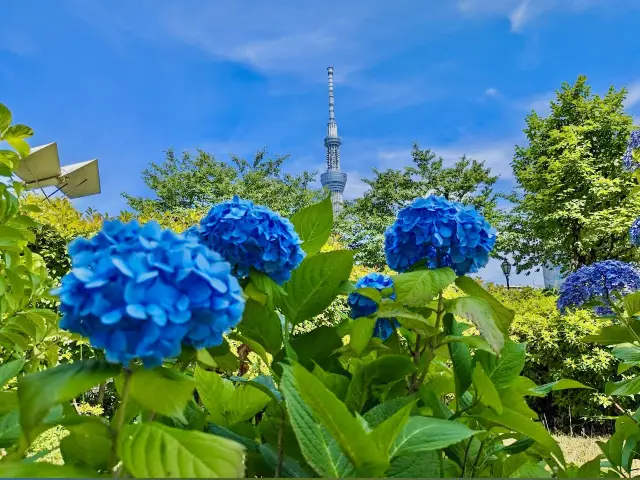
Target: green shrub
555, 350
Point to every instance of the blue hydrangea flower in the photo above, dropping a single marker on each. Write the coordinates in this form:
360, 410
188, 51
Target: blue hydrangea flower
440, 233
598, 282
634, 232
362, 306
634, 143
251, 236
142, 292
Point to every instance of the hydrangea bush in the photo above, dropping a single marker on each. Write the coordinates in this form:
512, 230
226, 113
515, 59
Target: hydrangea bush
164, 310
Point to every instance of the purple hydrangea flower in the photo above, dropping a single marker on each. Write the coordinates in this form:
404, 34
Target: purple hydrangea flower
251, 236
634, 143
598, 282
362, 306
440, 233
142, 292
634, 232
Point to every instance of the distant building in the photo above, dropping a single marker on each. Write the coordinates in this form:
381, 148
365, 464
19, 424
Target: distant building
333, 179
552, 277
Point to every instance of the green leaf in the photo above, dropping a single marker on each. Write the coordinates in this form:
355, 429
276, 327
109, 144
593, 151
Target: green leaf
315, 284
420, 287
480, 313
290, 467
460, 356
485, 389
10, 369
262, 325
371, 293
386, 410
215, 392
632, 303
630, 386
245, 402
612, 335
530, 470
162, 390
405, 317
348, 432
336, 383
264, 384
88, 444
521, 424
503, 316
153, 450
41, 470
316, 444
10, 430
252, 344
17, 131
315, 347
385, 433
415, 465
266, 291
20, 145
423, 434
314, 224
39, 392
509, 365
626, 353
361, 332
564, 384
471, 341
5, 118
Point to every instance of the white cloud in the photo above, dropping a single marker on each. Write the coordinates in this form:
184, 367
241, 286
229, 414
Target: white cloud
539, 102
633, 95
522, 12
491, 92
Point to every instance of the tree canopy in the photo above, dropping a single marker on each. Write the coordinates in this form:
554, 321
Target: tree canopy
573, 204
366, 218
199, 181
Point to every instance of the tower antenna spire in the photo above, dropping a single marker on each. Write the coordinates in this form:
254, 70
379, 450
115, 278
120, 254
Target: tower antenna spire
333, 179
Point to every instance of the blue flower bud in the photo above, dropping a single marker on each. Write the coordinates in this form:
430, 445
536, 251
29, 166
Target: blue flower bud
362, 306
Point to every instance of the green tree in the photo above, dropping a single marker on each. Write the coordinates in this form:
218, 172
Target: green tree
365, 219
199, 181
573, 203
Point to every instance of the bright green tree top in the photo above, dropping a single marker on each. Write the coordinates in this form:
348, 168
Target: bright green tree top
573, 205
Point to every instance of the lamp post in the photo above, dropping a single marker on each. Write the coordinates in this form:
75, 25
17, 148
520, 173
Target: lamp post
506, 269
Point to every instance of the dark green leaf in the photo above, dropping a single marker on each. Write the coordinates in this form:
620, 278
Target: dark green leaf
10, 430
415, 465
10, 369
271, 294
314, 224
39, 392
385, 433
460, 356
423, 434
386, 410
626, 353
162, 390
315, 283
509, 365
263, 325
335, 382
290, 467
153, 450
315, 347
630, 386
502, 315
41, 470
481, 314
88, 444
420, 287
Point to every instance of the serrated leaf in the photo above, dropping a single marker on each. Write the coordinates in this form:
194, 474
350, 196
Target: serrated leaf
480, 314
39, 392
171, 453
314, 224
348, 432
415, 465
162, 390
290, 467
315, 283
386, 432
420, 287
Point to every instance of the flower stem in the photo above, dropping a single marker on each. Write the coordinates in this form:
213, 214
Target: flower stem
280, 445
119, 421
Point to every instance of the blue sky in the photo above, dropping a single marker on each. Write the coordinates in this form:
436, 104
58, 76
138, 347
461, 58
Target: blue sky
122, 81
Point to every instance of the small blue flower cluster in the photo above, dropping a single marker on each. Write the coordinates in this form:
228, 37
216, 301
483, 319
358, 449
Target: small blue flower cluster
634, 232
362, 306
251, 236
142, 292
598, 282
440, 233
634, 143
